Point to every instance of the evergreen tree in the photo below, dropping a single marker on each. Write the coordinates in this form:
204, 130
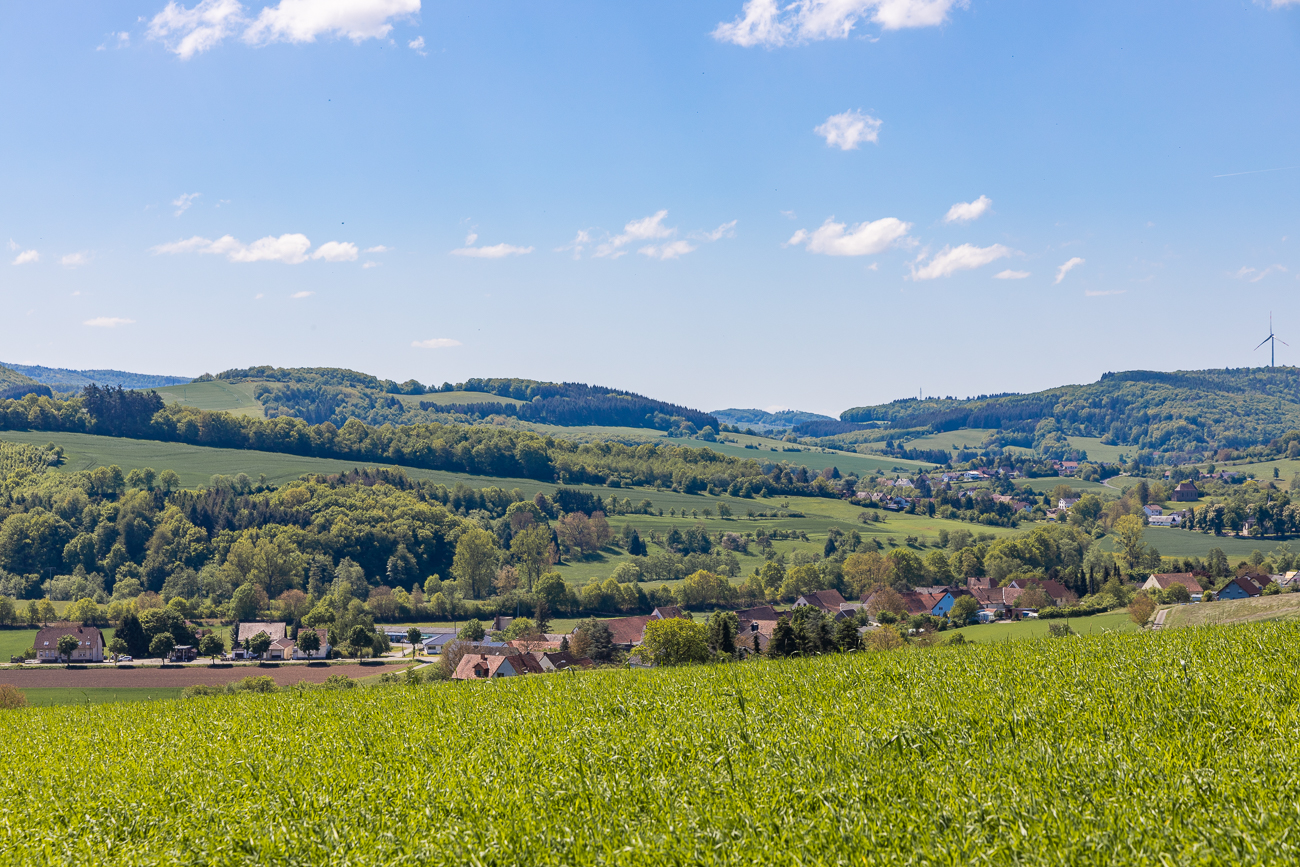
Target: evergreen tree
130, 631
783, 642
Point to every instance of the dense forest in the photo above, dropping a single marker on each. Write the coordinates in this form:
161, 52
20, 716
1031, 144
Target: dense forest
62, 379
1178, 416
14, 384
334, 395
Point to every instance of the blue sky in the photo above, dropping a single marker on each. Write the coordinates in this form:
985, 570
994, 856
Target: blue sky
719, 203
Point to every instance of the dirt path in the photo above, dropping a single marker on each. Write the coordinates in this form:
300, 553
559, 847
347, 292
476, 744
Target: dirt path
119, 678
1160, 618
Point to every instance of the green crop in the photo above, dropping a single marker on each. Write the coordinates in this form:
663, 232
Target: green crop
1177, 747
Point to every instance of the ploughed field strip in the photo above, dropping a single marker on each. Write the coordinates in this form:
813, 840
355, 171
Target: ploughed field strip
1172, 747
108, 676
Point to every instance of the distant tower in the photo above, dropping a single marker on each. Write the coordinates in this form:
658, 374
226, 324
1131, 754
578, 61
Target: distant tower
1273, 340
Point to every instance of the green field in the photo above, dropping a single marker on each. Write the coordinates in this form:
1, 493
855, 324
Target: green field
443, 398
813, 458
1047, 484
966, 438
1173, 542
59, 697
235, 398
1284, 606
1097, 624
14, 641
1158, 748
1102, 453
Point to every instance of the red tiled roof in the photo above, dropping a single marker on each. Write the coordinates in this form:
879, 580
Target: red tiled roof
826, 600
1165, 580
492, 665
760, 612
627, 630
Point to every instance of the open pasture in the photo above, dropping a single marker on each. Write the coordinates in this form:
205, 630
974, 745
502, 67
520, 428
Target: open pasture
445, 398
813, 458
235, 398
1283, 606
965, 438
1097, 624
1097, 750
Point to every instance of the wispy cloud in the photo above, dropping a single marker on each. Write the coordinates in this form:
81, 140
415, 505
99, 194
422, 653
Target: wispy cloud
862, 239
187, 31
115, 40
1011, 275
645, 229
108, 322
371, 264
848, 130
664, 241
964, 212
1066, 268
27, 257
435, 343
378, 248
1097, 293
287, 249
417, 45
1254, 275
496, 251
75, 260
950, 260
184, 201
303, 294
771, 24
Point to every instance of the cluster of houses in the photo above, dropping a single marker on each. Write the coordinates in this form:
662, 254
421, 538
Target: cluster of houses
282, 649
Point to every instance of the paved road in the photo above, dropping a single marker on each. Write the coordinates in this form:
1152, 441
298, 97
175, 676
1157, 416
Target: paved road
1160, 618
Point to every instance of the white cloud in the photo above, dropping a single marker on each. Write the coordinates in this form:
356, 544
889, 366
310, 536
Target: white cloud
950, 260
1011, 275
417, 45
671, 250
187, 32
371, 264
26, 257
183, 203
649, 228
302, 294
108, 322
579, 243
848, 130
1066, 268
121, 40
1278, 4
191, 31
726, 230
863, 239
304, 20
496, 251
75, 260
964, 212
379, 248
768, 23
336, 251
289, 249
435, 343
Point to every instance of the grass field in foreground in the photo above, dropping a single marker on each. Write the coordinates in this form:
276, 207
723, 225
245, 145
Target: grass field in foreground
54, 697
1158, 748
1113, 621
1280, 607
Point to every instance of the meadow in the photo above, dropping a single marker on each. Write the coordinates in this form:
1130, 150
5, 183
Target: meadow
235, 398
1156, 748
1097, 624
1280, 607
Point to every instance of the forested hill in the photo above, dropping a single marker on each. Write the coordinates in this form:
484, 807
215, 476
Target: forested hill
1180, 415
320, 394
67, 380
762, 420
14, 384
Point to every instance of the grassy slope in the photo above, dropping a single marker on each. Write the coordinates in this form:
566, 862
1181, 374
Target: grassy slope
1284, 606
814, 459
442, 398
1115, 621
1089, 751
235, 398
966, 438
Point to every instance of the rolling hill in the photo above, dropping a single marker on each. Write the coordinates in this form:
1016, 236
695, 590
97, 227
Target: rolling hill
15, 384
1179, 416
762, 420
67, 380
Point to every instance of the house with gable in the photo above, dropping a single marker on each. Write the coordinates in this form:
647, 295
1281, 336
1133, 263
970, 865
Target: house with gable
90, 643
1244, 587
1165, 580
829, 601
1186, 492
483, 666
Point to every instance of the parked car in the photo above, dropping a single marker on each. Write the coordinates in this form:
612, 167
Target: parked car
125, 658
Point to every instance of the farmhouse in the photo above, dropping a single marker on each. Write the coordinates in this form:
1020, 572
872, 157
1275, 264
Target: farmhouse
829, 601
1165, 580
1245, 587
1173, 520
1186, 492
274, 631
480, 666
626, 632
90, 643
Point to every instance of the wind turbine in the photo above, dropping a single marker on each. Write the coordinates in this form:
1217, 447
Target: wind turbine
1274, 340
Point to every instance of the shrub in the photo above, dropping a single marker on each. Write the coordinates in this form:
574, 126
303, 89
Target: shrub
201, 689
11, 697
338, 681
1059, 630
259, 683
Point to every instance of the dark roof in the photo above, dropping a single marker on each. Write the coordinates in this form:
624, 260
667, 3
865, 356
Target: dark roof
50, 635
667, 612
563, 659
627, 630
759, 612
827, 600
